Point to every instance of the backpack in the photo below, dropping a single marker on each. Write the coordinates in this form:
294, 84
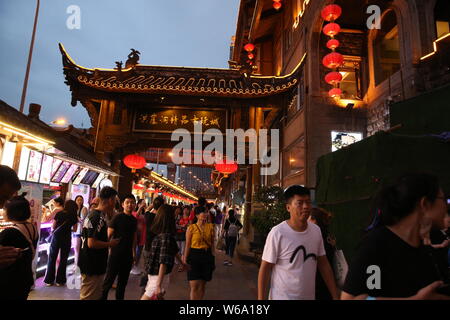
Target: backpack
233, 229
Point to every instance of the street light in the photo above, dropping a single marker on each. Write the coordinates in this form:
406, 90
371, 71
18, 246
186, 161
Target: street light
30, 56
60, 121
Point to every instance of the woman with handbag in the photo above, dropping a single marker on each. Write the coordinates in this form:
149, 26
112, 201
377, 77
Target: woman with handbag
64, 222
199, 253
162, 254
17, 279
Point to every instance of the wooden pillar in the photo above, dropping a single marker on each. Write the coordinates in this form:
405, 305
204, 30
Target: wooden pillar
248, 200
256, 167
99, 145
249, 179
17, 153
125, 182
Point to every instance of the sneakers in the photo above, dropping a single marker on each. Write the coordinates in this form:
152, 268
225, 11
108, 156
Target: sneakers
230, 263
60, 284
48, 284
135, 271
225, 263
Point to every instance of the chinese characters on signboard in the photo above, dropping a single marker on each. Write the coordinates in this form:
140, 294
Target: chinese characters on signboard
167, 120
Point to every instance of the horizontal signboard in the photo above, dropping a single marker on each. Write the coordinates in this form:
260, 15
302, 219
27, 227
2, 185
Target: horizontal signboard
166, 120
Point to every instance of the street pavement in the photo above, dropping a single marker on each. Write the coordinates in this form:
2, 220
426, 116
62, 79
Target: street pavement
237, 282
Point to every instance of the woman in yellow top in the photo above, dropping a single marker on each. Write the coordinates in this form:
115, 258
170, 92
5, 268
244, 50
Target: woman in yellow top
199, 253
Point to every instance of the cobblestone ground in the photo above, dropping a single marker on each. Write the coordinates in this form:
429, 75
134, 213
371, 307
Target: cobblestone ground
237, 282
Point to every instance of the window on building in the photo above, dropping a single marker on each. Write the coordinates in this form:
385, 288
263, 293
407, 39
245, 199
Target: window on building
386, 47
294, 158
351, 78
442, 17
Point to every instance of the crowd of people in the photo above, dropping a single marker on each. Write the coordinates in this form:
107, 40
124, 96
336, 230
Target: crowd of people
408, 243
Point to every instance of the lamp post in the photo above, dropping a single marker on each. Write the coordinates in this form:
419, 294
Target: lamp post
30, 55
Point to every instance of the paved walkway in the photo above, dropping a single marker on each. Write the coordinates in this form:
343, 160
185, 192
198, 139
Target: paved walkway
238, 282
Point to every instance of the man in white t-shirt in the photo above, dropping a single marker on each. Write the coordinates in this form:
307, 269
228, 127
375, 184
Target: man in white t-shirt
293, 252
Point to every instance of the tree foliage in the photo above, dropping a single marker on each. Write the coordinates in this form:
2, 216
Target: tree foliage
273, 211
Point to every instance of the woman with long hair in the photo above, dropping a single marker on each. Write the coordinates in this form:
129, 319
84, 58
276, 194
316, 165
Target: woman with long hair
162, 254
393, 261
199, 253
82, 213
64, 222
322, 218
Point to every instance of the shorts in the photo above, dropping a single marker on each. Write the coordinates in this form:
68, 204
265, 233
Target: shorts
202, 264
151, 284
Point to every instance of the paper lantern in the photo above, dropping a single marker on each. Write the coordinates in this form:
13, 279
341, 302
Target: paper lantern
333, 78
331, 29
333, 60
226, 167
277, 5
335, 92
134, 161
251, 56
331, 12
333, 44
249, 47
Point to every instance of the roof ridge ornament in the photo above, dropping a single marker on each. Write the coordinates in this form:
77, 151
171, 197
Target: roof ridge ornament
133, 59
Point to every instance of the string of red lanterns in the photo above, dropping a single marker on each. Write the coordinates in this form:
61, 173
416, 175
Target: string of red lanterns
334, 59
249, 47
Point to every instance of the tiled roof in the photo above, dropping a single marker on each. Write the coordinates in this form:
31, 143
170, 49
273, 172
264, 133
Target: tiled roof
177, 80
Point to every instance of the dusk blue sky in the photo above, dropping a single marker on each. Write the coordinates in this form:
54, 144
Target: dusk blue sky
194, 33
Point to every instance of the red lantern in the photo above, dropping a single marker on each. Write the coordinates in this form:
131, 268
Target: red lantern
251, 56
138, 187
333, 60
331, 12
226, 167
335, 92
333, 78
331, 29
249, 47
134, 162
333, 44
277, 5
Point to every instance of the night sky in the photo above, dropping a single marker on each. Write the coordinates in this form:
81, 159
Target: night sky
194, 33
